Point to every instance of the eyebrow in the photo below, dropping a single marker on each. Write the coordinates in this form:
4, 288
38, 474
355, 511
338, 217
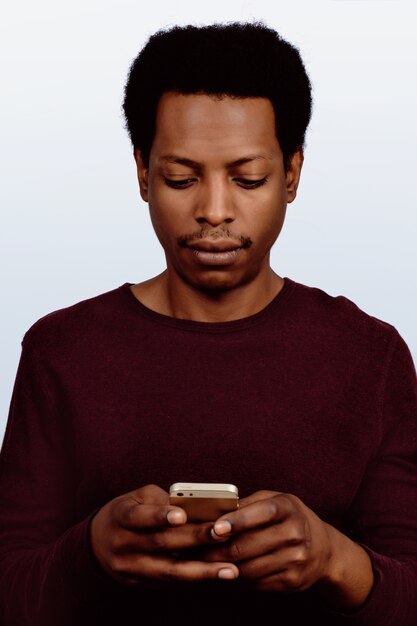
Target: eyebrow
173, 158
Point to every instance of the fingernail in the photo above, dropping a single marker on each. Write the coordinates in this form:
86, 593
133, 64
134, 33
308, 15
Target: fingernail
222, 528
213, 534
175, 517
226, 573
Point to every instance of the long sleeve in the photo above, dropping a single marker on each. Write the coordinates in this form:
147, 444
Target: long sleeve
384, 513
44, 556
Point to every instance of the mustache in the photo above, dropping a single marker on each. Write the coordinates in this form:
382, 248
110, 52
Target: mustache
242, 240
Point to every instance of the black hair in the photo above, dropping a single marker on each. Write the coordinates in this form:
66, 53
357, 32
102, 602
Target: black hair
238, 59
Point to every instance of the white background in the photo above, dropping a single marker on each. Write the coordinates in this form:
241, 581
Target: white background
72, 223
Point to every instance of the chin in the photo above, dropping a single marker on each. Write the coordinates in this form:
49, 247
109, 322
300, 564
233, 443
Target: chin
215, 281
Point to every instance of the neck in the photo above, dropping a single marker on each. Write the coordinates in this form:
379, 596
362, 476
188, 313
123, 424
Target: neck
168, 294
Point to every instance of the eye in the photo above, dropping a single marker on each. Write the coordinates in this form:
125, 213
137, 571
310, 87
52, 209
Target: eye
179, 184
251, 184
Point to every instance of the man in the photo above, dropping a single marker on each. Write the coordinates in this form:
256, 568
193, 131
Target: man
216, 370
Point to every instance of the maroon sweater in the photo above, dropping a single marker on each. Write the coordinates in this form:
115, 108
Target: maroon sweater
310, 396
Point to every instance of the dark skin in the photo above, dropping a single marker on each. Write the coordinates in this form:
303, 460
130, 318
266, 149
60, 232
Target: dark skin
216, 180
135, 535
215, 199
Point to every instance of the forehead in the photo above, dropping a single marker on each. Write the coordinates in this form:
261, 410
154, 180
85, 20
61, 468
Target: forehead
207, 126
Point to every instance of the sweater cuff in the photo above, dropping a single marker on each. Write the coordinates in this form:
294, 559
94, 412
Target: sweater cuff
380, 606
77, 565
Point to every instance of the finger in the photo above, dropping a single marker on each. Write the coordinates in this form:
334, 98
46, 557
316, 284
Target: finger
149, 494
287, 581
166, 539
143, 516
256, 496
164, 568
292, 561
254, 543
254, 515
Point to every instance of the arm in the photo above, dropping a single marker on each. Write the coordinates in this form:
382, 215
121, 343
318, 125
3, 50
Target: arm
384, 512
42, 547
53, 567
369, 578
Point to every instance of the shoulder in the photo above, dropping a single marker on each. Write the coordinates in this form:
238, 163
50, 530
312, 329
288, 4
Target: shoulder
74, 322
337, 318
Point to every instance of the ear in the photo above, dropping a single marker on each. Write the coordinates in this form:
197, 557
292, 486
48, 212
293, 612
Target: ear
142, 174
293, 174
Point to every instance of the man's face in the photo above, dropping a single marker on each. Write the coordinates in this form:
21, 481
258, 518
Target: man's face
216, 187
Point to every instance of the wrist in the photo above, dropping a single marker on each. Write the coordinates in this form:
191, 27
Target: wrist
348, 578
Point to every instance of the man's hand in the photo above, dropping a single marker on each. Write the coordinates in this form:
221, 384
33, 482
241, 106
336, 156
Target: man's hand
279, 544
135, 537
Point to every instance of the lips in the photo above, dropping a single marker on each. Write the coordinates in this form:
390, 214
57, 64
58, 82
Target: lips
219, 253
211, 246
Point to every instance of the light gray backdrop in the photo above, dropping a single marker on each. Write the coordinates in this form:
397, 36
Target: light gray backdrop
72, 222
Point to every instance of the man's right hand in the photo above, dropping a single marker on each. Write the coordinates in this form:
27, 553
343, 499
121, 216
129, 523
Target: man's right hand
136, 537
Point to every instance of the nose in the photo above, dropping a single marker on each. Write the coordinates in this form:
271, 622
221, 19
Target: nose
214, 203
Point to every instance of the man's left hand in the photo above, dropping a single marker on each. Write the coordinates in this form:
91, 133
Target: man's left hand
279, 544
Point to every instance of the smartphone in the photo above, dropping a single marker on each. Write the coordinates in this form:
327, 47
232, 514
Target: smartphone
204, 502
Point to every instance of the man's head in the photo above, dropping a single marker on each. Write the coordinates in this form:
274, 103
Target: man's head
239, 60
217, 116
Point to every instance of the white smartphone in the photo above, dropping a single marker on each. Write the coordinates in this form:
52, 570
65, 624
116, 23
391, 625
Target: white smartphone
204, 502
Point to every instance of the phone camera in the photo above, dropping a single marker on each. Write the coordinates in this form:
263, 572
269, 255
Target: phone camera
180, 494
